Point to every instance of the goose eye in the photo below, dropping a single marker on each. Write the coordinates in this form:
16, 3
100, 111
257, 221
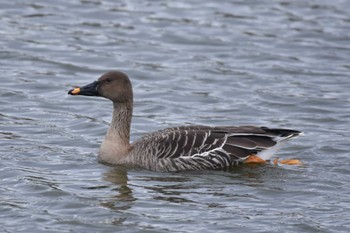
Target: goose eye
108, 80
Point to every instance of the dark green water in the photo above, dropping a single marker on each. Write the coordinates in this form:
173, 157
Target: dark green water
272, 63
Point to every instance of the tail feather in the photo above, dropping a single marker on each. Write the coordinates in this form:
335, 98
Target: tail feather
283, 133
282, 136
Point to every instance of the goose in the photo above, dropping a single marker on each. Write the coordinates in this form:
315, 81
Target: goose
192, 147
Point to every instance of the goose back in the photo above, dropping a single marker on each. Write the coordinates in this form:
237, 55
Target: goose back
204, 147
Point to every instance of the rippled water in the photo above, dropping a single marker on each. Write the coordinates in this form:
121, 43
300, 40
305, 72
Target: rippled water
272, 63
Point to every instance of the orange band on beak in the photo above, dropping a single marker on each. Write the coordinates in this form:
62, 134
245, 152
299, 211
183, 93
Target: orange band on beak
75, 91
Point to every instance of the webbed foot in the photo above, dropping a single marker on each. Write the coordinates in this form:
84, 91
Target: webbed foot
287, 161
253, 159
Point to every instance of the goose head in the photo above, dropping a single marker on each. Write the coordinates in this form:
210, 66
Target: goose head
113, 85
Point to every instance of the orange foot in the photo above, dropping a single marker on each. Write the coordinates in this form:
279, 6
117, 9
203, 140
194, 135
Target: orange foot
253, 159
287, 161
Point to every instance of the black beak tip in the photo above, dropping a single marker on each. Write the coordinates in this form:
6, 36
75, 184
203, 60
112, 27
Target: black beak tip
74, 91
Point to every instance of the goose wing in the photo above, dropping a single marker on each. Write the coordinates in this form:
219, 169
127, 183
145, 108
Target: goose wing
238, 142
206, 147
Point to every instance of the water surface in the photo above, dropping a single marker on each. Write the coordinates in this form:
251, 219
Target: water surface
271, 63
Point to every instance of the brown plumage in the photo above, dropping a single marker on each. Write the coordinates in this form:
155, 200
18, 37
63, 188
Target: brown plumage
179, 148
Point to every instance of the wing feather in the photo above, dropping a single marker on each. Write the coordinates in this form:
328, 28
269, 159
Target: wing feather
206, 147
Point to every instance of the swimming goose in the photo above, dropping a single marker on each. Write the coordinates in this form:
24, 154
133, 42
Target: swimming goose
195, 147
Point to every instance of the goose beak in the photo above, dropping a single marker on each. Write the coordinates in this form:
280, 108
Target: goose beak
89, 90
